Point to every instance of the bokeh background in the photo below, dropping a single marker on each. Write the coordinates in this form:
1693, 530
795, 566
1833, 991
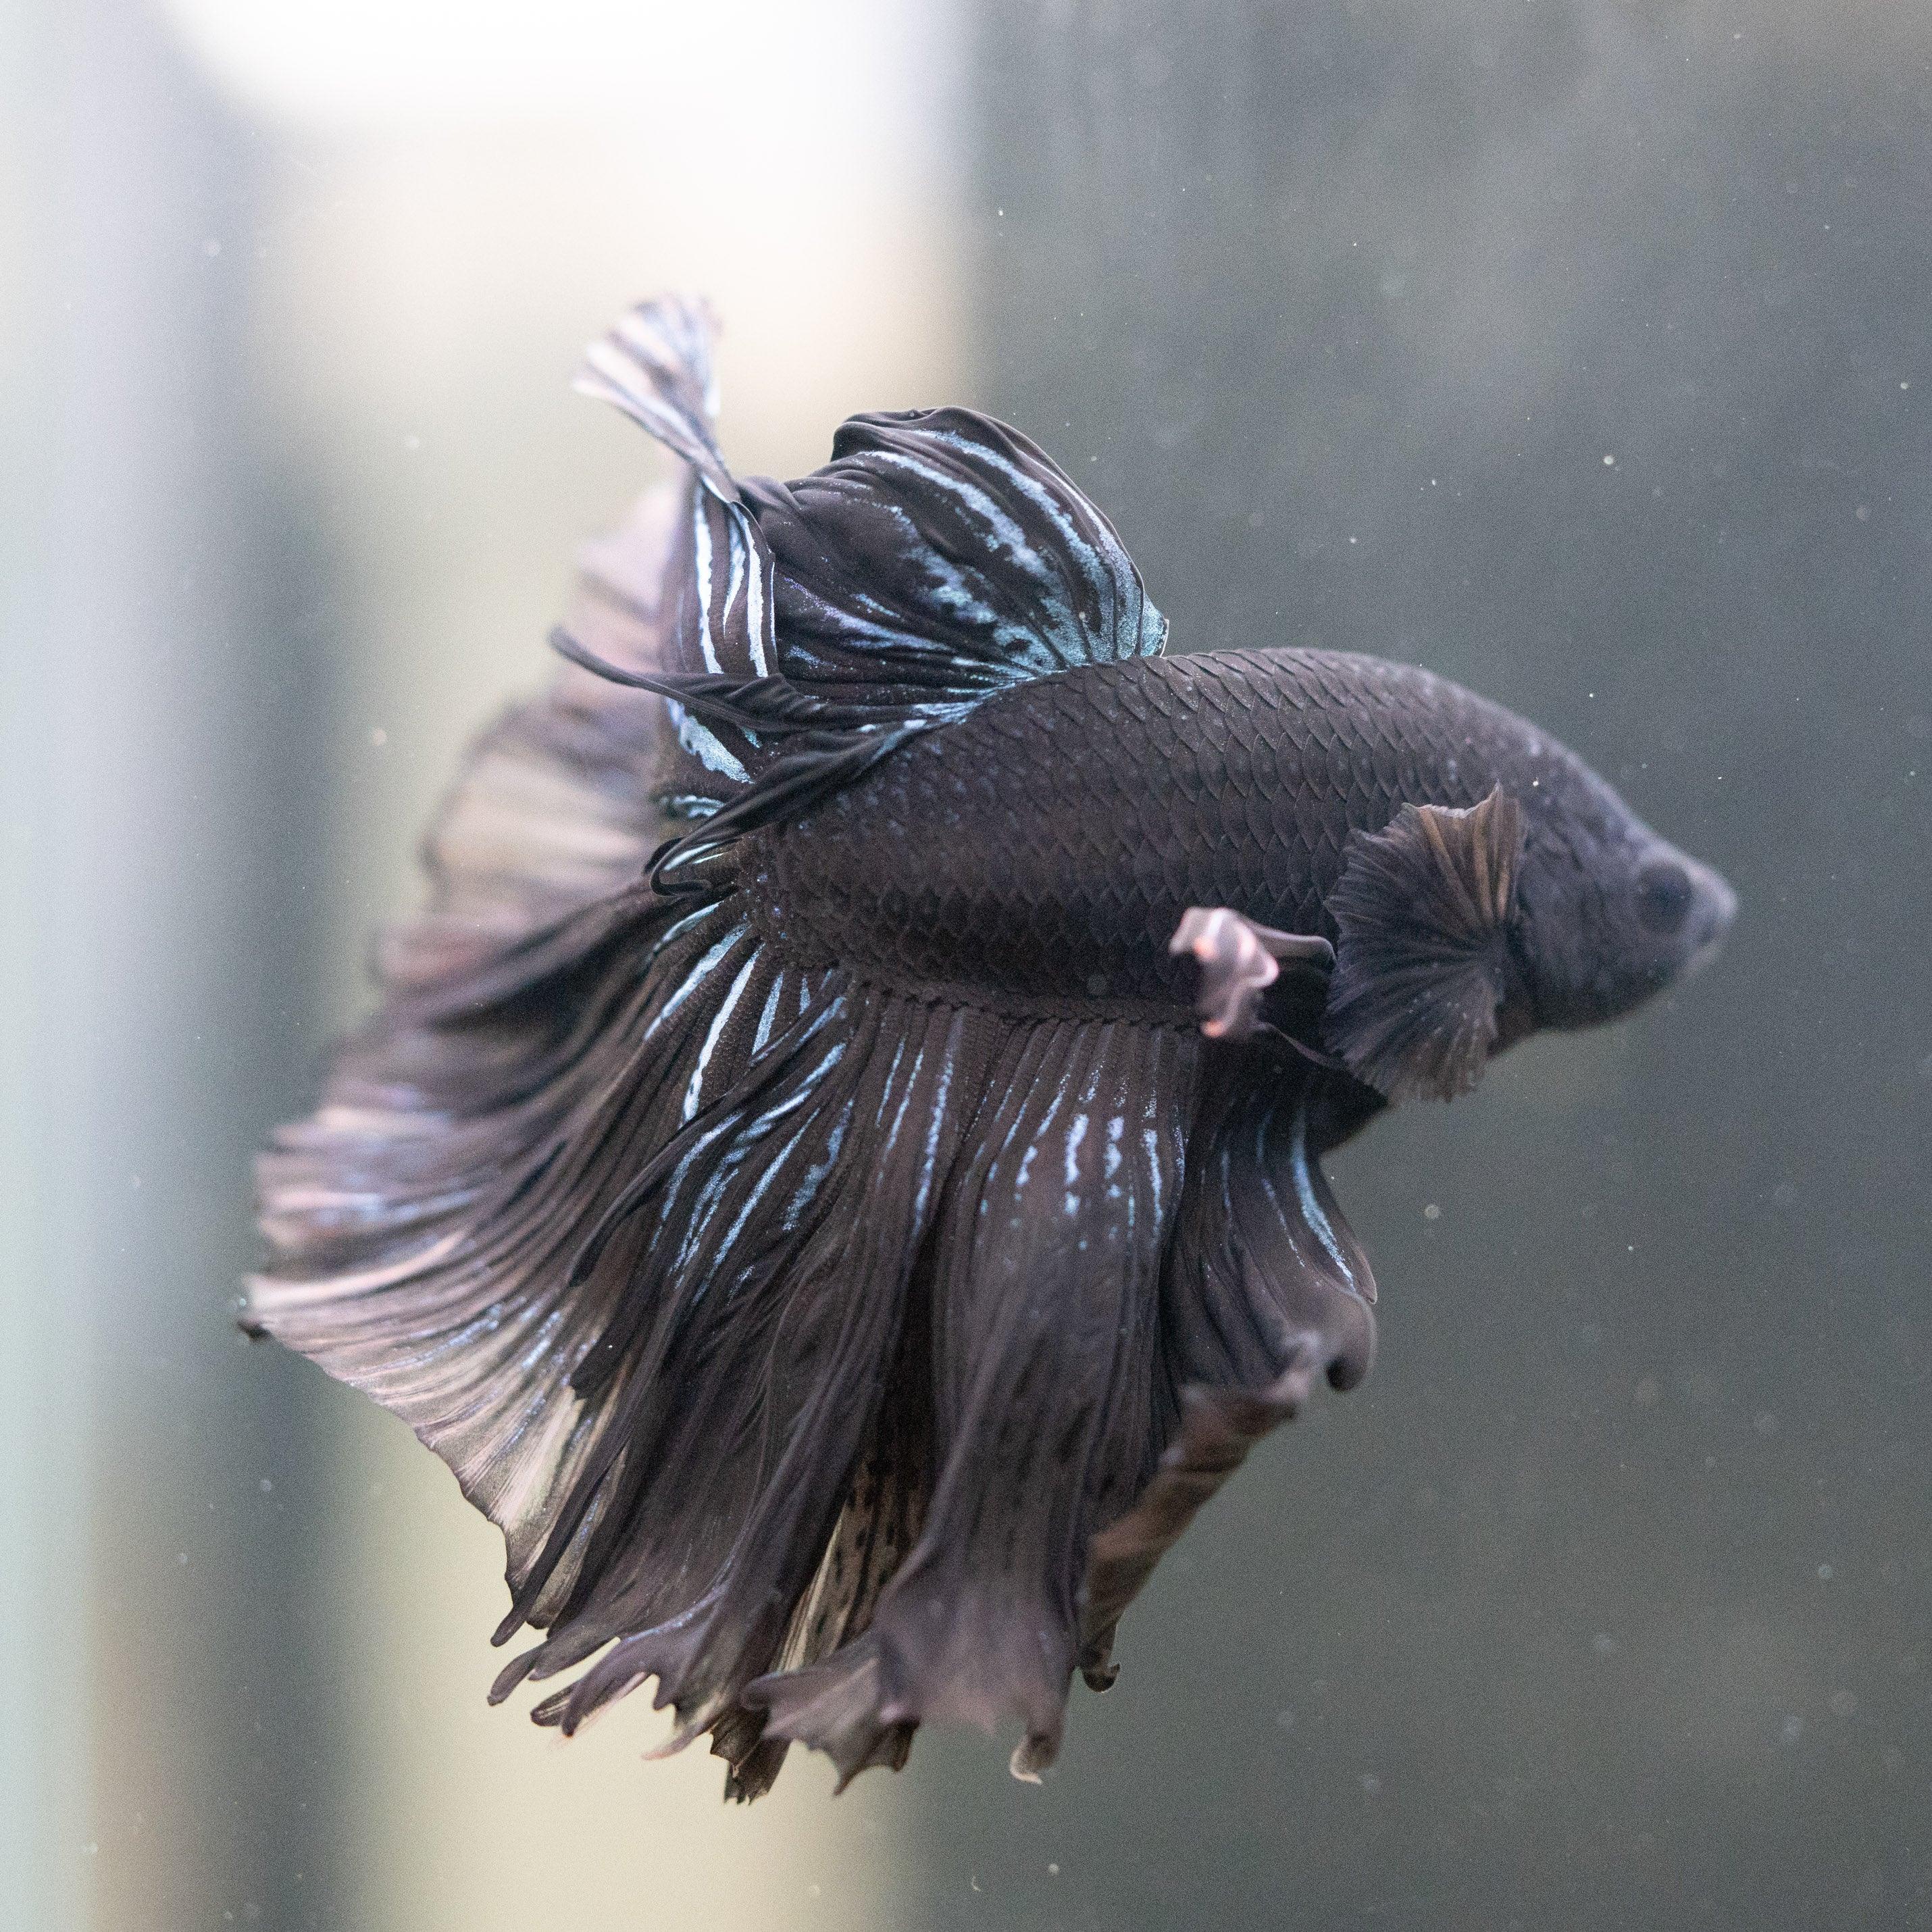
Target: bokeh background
1577, 348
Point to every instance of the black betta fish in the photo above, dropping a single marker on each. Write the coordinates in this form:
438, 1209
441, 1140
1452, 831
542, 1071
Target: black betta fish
837, 1171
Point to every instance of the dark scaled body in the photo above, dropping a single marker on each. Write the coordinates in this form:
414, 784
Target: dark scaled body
1030, 849
836, 1170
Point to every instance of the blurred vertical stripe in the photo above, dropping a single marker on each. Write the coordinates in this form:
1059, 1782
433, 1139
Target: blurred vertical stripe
164, 655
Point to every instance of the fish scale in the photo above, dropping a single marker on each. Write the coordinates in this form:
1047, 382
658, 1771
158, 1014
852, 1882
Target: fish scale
1045, 845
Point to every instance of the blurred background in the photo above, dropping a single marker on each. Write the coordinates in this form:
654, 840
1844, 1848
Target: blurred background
1576, 348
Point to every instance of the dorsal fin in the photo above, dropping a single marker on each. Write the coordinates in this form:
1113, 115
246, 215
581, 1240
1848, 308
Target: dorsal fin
939, 557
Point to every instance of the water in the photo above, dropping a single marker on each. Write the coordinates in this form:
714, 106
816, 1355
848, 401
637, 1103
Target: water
1576, 350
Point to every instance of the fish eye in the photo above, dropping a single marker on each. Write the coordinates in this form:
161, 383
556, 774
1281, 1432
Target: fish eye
1664, 895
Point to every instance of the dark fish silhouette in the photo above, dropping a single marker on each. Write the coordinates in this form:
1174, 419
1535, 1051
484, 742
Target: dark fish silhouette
836, 1173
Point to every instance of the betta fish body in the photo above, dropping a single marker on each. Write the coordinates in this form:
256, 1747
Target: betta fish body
837, 1171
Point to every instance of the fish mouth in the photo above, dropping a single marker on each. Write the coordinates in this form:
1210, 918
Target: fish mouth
1715, 907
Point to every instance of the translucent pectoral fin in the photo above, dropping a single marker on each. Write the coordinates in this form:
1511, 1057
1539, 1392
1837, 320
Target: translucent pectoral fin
1422, 907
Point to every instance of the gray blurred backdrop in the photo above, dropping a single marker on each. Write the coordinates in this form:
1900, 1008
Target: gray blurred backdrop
1576, 350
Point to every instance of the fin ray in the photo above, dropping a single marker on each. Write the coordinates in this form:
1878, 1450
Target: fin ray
1266, 1292
1045, 1283
810, 629
1423, 909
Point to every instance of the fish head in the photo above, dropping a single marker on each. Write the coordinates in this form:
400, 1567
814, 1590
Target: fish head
1607, 913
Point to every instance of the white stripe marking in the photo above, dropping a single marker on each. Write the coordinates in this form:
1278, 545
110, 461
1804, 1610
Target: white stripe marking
700, 537
1304, 1192
718, 1024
